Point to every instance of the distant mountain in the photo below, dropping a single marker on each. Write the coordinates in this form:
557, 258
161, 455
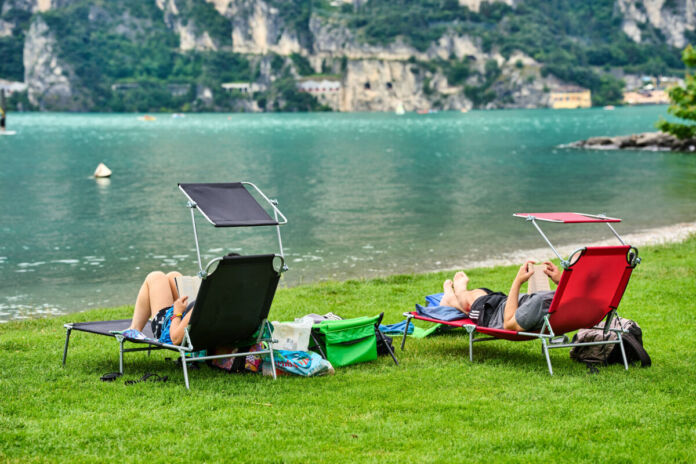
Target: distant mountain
343, 55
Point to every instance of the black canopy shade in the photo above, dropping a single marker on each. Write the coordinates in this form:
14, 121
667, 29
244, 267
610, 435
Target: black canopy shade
228, 205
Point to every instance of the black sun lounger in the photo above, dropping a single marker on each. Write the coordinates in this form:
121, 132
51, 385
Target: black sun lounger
234, 300
231, 310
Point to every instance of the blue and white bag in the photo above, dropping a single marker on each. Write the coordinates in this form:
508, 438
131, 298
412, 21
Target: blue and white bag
304, 363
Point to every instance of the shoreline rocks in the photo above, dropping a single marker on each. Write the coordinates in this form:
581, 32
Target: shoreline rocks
650, 141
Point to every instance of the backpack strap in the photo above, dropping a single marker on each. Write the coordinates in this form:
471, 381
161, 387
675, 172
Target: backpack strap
632, 342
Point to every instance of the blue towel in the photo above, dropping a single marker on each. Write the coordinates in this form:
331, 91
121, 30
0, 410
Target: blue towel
441, 313
395, 329
434, 300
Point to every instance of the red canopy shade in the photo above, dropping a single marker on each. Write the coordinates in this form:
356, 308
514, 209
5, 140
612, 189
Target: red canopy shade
567, 218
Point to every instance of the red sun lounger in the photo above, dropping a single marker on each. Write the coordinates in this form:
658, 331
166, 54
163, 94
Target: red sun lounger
592, 284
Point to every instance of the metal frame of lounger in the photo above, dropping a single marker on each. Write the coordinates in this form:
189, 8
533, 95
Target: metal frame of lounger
155, 345
213, 201
549, 338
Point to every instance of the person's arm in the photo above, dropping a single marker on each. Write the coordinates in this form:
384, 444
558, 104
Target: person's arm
179, 323
523, 275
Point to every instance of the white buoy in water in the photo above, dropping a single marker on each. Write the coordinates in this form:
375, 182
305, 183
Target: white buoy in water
102, 171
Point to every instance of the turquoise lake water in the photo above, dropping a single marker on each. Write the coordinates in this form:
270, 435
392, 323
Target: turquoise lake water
365, 194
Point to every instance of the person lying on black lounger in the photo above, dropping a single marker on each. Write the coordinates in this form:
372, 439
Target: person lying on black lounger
159, 300
516, 312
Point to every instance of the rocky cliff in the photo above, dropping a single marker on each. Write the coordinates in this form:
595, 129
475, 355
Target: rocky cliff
452, 63
673, 18
49, 79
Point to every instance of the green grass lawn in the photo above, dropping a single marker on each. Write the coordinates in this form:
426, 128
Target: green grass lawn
435, 407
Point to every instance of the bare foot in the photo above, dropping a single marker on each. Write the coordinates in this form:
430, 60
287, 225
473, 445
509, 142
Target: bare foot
461, 282
449, 298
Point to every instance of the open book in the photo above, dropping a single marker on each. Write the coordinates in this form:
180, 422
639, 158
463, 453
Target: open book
539, 281
188, 286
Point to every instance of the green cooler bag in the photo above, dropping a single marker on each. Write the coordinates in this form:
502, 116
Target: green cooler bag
348, 341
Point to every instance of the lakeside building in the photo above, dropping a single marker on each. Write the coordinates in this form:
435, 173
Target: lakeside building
649, 90
123, 86
175, 90
570, 97
315, 86
327, 91
246, 88
7, 88
646, 97
12, 86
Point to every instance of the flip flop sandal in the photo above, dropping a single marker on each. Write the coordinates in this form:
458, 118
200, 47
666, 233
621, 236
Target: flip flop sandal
147, 377
110, 377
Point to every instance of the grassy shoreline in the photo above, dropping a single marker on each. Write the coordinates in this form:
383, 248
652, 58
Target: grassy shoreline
435, 407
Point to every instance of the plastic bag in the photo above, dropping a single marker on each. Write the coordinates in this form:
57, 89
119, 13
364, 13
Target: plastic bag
293, 336
304, 363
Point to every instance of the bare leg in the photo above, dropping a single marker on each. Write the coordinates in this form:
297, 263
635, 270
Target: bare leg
450, 299
154, 294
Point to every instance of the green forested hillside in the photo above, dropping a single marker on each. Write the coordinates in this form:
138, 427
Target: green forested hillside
126, 41
571, 38
558, 32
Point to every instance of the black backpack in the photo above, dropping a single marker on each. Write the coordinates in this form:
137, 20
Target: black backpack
611, 354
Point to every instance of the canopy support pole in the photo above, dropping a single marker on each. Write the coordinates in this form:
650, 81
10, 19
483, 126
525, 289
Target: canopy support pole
192, 206
533, 221
274, 202
616, 233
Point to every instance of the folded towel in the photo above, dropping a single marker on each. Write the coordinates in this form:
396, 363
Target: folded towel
434, 299
396, 329
441, 313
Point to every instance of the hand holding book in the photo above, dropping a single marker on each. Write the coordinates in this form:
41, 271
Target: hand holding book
187, 286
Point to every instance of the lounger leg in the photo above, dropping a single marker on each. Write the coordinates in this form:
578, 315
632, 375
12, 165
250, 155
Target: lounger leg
65, 350
185, 368
623, 351
470, 329
273, 369
403, 340
545, 349
120, 355
389, 348
471, 346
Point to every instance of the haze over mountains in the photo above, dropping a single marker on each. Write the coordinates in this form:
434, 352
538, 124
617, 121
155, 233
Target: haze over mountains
343, 55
